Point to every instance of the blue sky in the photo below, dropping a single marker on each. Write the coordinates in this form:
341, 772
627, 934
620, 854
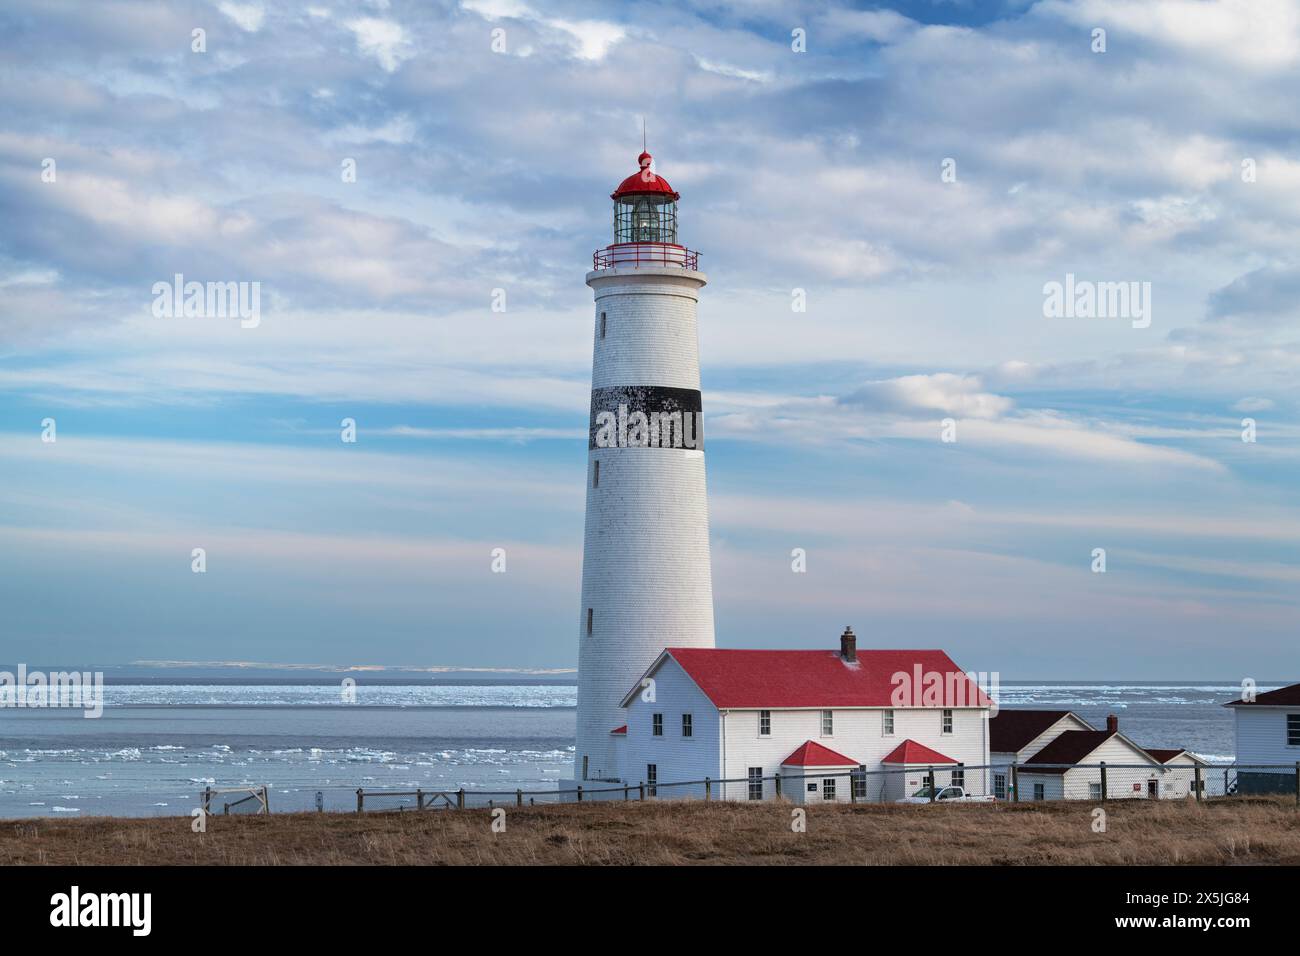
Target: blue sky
820, 170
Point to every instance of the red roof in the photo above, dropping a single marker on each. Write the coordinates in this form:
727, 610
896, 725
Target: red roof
1011, 730
813, 754
776, 679
909, 751
644, 182
619, 730
1283, 696
1164, 756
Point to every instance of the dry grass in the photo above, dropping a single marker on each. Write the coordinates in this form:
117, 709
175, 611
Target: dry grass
1241, 830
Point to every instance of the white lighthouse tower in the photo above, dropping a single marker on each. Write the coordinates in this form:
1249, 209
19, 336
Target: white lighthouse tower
646, 583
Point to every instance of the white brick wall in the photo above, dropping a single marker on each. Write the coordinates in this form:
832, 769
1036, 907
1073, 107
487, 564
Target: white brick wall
645, 572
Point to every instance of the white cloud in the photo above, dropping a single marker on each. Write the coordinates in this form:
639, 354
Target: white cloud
247, 16
385, 40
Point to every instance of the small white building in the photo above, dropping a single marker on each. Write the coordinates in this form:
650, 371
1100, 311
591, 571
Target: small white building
1053, 773
1179, 777
1017, 735
745, 715
1268, 733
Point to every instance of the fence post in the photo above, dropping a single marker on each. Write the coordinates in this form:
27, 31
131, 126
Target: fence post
1297, 783
419, 799
853, 786
580, 793
361, 798
776, 777
460, 799
1225, 781
640, 790
626, 788
708, 785
207, 798
266, 792
519, 798
1104, 788
931, 777
1197, 782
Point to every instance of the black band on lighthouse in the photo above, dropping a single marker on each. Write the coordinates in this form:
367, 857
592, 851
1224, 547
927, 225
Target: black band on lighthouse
646, 416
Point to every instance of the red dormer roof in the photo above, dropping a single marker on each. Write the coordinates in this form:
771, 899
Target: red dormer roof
909, 751
644, 182
813, 754
745, 679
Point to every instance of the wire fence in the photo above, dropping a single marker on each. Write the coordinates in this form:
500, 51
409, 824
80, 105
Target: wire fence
989, 783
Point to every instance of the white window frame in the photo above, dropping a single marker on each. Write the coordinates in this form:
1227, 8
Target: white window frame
1293, 730
946, 721
828, 788
1040, 791
887, 722
1094, 789
755, 781
828, 723
656, 725
1000, 786
652, 779
765, 723
688, 726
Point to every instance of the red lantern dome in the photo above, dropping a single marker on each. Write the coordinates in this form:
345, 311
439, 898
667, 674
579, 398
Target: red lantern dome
645, 182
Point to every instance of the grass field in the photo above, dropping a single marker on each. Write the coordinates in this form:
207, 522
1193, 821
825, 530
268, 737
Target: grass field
1238, 831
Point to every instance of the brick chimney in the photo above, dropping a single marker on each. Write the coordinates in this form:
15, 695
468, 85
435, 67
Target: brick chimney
848, 646
1112, 724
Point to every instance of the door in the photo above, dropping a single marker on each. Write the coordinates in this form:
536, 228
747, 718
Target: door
1153, 789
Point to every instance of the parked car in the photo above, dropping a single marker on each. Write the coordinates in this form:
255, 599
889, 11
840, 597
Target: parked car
947, 795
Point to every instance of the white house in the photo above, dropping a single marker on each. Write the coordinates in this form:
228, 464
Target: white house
747, 715
1052, 774
1268, 733
1016, 735
1179, 777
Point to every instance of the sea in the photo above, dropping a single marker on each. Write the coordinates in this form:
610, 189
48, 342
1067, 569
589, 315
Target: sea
160, 742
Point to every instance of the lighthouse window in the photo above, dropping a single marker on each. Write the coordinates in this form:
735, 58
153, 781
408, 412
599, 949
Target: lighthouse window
686, 725
589, 615
595, 476
602, 325
765, 723
657, 725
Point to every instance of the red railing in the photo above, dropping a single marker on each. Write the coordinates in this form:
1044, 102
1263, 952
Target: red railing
636, 254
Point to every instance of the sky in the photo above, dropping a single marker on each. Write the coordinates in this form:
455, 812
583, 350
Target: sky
919, 175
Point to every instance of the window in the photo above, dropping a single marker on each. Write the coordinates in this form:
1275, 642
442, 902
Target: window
959, 777
812, 787
765, 723
1039, 794
595, 475
828, 788
1293, 730
828, 723
602, 325
887, 722
686, 725
652, 778
947, 721
756, 783
589, 615
1094, 791
657, 725
1000, 786
859, 782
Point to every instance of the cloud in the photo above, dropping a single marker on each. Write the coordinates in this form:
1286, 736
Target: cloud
958, 395
248, 16
385, 40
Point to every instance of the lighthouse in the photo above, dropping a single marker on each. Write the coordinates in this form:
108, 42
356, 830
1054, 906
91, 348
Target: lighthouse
646, 583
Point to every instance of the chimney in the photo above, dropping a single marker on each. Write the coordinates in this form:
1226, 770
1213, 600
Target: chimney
1112, 724
848, 646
